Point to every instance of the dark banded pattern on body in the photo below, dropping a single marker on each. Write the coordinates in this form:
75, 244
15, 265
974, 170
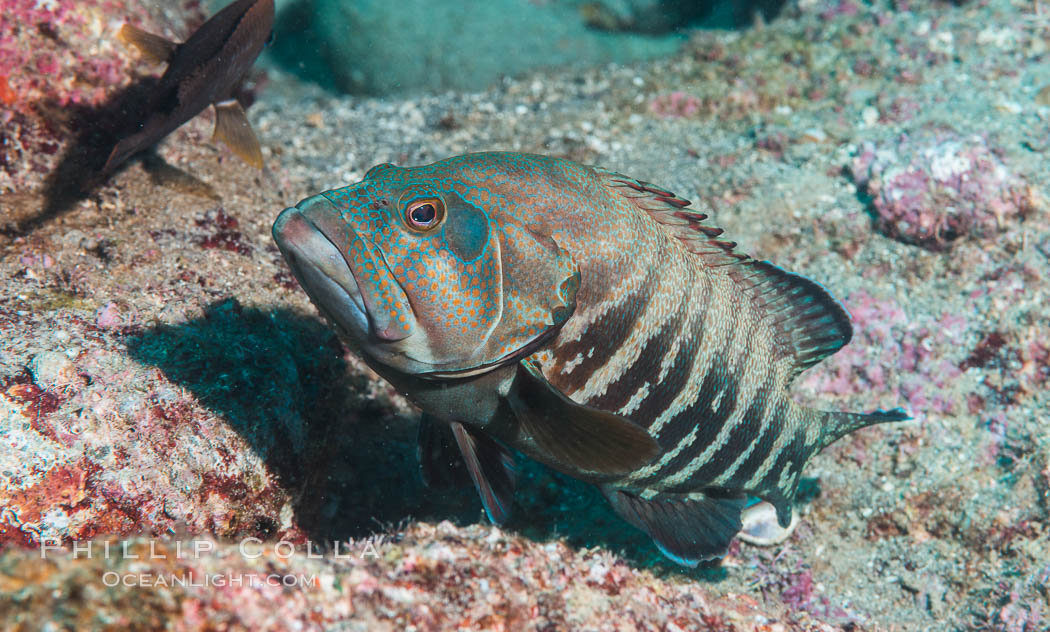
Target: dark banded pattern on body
699, 423
586, 319
709, 385
765, 419
798, 439
693, 415
744, 435
642, 374
577, 361
610, 356
675, 373
686, 382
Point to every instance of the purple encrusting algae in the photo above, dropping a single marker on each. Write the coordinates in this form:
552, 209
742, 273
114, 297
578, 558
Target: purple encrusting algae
930, 188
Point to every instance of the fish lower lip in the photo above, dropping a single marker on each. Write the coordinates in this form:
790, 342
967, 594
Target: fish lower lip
321, 269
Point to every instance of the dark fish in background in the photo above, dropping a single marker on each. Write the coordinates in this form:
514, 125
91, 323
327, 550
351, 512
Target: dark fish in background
586, 319
206, 69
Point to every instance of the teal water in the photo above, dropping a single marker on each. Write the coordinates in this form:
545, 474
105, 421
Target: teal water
377, 47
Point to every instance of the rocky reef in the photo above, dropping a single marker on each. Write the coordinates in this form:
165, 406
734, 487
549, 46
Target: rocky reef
165, 384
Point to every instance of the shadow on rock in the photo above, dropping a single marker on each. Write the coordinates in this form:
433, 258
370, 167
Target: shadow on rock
93, 130
346, 455
279, 378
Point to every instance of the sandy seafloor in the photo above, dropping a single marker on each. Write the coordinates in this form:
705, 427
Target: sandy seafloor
163, 377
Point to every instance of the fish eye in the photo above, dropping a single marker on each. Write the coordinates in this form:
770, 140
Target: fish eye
424, 214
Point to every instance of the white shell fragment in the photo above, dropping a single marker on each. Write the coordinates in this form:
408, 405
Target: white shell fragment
761, 527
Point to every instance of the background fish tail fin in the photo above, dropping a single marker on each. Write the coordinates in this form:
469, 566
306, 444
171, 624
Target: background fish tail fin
155, 48
837, 425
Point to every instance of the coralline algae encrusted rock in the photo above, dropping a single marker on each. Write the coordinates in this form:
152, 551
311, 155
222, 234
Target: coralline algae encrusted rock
427, 578
59, 60
897, 355
932, 187
94, 442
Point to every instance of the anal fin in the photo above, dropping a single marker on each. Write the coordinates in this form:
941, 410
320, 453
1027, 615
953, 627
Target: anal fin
491, 467
688, 528
232, 128
155, 48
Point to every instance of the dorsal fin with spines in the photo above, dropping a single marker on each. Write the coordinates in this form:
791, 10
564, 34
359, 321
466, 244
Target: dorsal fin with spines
810, 325
668, 209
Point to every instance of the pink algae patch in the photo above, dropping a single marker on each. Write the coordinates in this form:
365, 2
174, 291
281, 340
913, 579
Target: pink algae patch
62, 52
7, 95
930, 188
675, 105
892, 358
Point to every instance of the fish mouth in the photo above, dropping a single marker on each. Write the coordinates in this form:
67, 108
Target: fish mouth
321, 267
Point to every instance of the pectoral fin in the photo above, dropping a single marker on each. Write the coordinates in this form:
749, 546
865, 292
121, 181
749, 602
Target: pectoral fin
232, 128
688, 528
491, 467
155, 48
583, 438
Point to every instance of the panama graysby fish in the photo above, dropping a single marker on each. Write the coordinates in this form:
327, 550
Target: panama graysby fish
586, 319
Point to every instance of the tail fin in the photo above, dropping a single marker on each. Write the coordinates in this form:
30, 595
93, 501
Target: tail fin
837, 425
780, 485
